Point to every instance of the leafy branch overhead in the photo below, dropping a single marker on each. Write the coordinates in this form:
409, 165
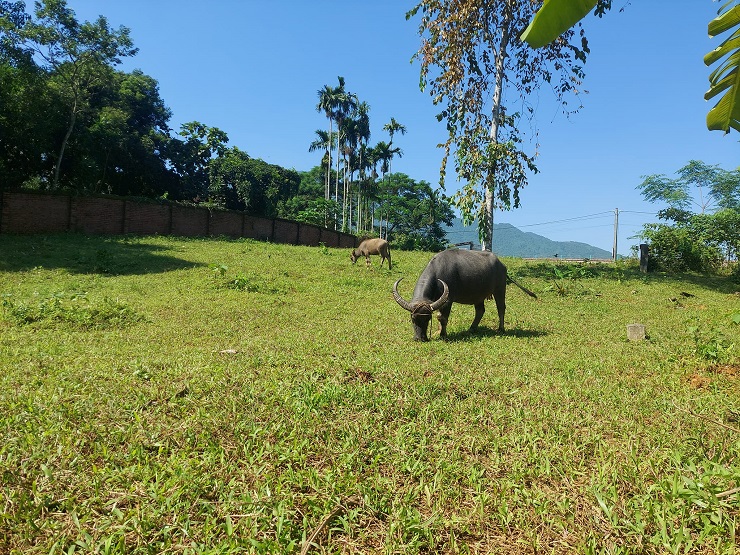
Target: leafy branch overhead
482, 77
725, 79
557, 16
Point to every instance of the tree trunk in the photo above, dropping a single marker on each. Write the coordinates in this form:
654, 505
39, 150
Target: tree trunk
487, 243
58, 167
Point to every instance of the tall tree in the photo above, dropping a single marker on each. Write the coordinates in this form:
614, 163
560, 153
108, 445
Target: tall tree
470, 54
75, 53
699, 185
327, 101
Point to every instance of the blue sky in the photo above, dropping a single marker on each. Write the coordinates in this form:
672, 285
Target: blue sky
253, 69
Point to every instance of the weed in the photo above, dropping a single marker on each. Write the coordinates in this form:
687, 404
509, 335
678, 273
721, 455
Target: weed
712, 344
73, 309
567, 279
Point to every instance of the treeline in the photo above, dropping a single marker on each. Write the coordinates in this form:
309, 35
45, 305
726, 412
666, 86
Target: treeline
71, 121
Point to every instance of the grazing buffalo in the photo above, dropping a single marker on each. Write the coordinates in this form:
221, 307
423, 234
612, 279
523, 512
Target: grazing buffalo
457, 276
372, 246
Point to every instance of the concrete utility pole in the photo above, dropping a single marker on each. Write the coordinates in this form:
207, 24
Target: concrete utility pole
616, 227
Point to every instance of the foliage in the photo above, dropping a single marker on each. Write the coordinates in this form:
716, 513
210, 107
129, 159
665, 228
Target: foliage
695, 241
712, 345
77, 55
240, 182
71, 308
557, 16
191, 157
676, 249
568, 278
236, 421
706, 187
415, 214
470, 56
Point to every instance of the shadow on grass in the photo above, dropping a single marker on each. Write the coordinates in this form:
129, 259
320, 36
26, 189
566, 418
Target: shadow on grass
82, 254
483, 332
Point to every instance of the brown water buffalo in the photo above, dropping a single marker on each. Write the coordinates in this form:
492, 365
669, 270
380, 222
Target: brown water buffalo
457, 276
372, 246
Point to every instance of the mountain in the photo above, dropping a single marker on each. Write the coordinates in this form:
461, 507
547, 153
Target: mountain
511, 241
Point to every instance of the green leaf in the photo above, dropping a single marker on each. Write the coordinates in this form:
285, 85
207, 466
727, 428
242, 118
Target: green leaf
725, 79
553, 19
724, 21
726, 113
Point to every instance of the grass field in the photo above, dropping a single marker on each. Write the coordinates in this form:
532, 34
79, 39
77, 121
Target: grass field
169, 395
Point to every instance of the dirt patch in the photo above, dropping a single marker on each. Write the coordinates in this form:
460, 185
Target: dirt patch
697, 381
729, 370
700, 381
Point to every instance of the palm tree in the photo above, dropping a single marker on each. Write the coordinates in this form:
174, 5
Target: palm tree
324, 142
362, 128
393, 127
383, 155
345, 105
327, 99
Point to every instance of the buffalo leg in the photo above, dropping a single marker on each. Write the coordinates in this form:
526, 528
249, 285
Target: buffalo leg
367, 262
480, 309
500, 296
443, 316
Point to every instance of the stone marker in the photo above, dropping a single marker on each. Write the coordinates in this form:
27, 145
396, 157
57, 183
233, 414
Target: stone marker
635, 332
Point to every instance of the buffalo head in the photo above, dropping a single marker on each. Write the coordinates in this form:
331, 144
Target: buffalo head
421, 309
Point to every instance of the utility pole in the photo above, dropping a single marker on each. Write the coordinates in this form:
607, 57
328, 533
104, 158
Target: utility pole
616, 228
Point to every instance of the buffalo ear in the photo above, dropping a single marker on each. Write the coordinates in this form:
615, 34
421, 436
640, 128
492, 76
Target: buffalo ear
403, 303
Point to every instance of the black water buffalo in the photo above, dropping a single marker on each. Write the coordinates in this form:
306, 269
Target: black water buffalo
372, 246
457, 276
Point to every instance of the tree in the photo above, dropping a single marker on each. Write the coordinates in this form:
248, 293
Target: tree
191, 158
415, 214
470, 54
308, 205
694, 241
556, 16
122, 141
327, 101
240, 182
701, 185
76, 54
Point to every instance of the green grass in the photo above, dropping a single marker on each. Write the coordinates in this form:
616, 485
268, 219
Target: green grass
169, 395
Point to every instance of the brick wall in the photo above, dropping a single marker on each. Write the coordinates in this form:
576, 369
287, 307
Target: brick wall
31, 212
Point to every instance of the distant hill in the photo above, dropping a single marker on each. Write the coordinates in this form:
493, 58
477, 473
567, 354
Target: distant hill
511, 241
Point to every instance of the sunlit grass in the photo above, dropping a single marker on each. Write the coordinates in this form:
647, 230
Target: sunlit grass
213, 396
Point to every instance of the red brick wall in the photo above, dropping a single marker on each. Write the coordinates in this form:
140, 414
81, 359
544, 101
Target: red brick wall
97, 215
330, 238
146, 219
35, 213
285, 232
188, 221
309, 235
226, 223
28, 212
258, 228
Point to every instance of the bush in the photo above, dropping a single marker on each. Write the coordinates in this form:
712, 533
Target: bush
675, 249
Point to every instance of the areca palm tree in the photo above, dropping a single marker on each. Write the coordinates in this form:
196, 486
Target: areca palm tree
394, 127
324, 141
384, 153
362, 128
336, 103
327, 99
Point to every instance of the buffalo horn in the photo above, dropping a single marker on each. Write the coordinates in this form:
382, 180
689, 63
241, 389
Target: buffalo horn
399, 299
443, 299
